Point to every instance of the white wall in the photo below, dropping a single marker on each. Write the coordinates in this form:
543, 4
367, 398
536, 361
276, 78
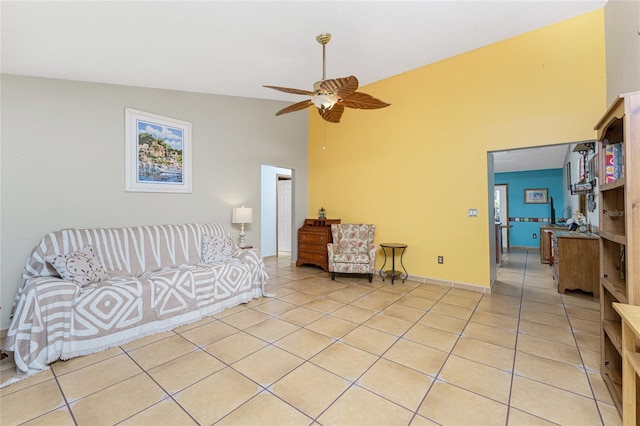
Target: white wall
62, 164
622, 47
268, 207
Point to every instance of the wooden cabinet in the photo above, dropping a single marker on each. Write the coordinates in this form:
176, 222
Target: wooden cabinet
575, 260
313, 237
618, 134
546, 254
545, 244
545, 241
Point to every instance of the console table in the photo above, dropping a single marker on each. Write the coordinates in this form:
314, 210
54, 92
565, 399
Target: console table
313, 237
394, 274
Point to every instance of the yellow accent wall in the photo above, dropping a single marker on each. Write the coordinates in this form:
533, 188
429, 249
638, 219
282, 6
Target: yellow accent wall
416, 167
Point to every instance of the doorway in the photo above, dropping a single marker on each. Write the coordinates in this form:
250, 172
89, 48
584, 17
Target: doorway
275, 228
501, 213
284, 219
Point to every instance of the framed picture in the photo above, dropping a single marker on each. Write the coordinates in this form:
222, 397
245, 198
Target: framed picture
536, 196
568, 171
158, 153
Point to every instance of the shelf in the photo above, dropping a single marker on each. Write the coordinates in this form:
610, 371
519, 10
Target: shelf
618, 289
614, 383
613, 330
616, 238
613, 185
634, 359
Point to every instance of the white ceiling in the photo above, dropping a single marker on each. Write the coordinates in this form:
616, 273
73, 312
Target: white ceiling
539, 158
235, 47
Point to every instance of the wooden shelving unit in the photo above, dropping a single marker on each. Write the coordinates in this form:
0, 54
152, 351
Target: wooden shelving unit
618, 133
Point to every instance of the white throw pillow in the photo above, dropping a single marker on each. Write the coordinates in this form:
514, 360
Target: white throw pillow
217, 248
81, 267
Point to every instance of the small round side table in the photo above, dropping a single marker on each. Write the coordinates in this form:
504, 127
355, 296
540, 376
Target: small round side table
393, 272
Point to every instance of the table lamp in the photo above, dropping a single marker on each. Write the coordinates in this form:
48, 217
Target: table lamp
242, 215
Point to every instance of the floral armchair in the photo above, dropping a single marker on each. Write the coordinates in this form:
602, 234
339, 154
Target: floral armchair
352, 250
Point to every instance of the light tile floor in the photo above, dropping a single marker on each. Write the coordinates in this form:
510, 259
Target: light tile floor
346, 352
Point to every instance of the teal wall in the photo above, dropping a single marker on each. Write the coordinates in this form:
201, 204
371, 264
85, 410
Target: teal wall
525, 219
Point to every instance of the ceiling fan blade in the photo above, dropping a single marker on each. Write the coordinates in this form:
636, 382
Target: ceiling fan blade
295, 107
290, 90
332, 115
361, 100
340, 86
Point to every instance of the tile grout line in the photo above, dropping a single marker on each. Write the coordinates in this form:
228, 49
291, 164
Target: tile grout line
515, 346
584, 367
435, 377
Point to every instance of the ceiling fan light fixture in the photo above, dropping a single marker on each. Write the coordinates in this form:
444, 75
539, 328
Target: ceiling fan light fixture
324, 101
329, 92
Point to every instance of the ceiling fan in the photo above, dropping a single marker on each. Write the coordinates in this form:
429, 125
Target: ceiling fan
331, 96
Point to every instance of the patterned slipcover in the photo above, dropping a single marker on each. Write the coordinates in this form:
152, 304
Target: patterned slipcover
352, 250
156, 280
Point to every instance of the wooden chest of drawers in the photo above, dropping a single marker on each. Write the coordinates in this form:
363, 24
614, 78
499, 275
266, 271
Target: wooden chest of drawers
313, 237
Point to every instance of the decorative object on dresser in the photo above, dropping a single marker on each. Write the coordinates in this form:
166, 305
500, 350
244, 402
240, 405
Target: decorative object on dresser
618, 138
313, 237
352, 250
242, 215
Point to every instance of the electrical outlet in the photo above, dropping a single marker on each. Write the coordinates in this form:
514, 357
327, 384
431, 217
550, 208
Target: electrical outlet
441, 259
534, 236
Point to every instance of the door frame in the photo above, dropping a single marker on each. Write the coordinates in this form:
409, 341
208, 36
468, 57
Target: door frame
505, 226
280, 177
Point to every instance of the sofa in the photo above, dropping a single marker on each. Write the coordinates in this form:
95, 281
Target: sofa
87, 290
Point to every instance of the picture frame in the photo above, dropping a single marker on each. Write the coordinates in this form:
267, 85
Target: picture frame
157, 153
568, 171
536, 196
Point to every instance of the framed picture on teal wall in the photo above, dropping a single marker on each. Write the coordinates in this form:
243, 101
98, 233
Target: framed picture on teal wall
536, 196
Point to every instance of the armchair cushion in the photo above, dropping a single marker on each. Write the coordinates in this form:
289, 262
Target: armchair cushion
351, 258
353, 238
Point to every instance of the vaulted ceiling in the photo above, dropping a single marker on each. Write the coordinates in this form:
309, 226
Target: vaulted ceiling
235, 47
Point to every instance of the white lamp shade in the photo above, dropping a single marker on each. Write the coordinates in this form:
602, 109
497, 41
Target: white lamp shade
242, 215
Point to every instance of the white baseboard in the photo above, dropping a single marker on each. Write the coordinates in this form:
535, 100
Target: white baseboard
444, 283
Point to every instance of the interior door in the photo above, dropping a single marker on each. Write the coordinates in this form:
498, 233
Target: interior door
284, 214
502, 213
